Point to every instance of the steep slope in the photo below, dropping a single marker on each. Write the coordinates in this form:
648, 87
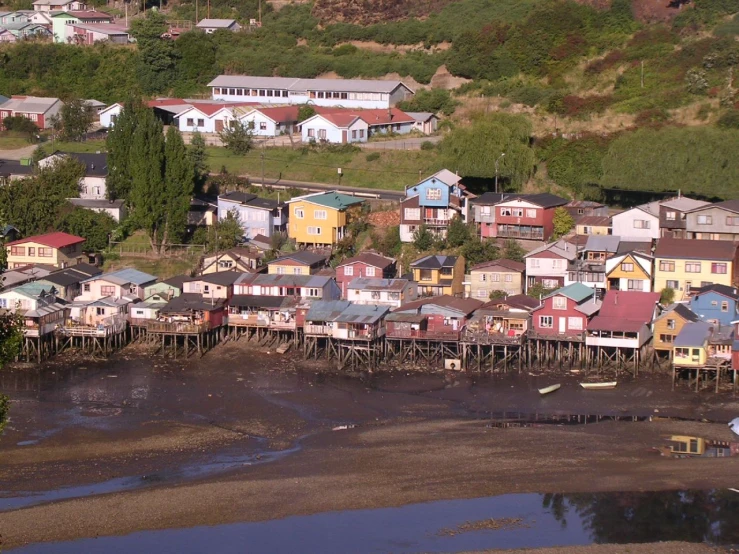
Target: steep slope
366, 12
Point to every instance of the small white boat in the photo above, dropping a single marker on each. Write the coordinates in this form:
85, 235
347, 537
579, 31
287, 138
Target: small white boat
550, 388
599, 386
734, 425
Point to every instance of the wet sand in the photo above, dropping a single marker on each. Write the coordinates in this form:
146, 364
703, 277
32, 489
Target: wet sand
656, 548
418, 438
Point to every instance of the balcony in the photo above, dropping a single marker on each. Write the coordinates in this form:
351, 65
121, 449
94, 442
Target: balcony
435, 222
515, 232
421, 334
178, 327
317, 330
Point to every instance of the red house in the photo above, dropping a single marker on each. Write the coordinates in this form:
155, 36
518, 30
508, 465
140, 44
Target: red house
36, 109
565, 312
366, 264
516, 216
437, 317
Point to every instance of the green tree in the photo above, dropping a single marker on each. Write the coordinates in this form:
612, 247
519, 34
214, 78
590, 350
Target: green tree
226, 233
306, 111
147, 196
157, 58
388, 244
21, 124
563, 222
476, 251
237, 137
179, 183
538, 291
458, 232
472, 151
118, 142
199, 160
76, 119
94, 227
423, 240
512, 250
11, 338
667, 296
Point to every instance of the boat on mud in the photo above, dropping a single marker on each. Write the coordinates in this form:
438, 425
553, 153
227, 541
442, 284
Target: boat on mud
599, 386
550, 388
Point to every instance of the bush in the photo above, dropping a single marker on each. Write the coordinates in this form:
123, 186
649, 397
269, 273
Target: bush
729, 120
20, 124
527, 95
434, 100
427, 145
652, 117
373, 156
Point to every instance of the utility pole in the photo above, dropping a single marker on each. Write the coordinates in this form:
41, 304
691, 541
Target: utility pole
261, 155
196, 12
208, 9
260, 13
642, 74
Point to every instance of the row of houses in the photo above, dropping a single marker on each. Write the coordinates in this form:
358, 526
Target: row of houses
329, 124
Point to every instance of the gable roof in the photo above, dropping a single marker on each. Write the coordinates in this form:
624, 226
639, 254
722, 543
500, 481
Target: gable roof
625, 310
372, 117
517, 302
125, 276
561, 248
694, 249
422, 117
339, 120
177, 281
302, 257
680, 309
728, 205
602, 243
192, 302
52, 240
69, 276
250, 200
594, 220
225, 278
278, 114
362, 314
723, 290
215, 23
502, 262
369, 258
331, 199
542, 199
575, 291
434, 262
462, 305
693, 334
96, 165
302, 85
326, 310
376, 283
30, 104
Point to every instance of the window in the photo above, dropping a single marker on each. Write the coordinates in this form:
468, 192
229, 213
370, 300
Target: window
33, 117
705, 220
201, 122
190, 122
627, 267
206, 288
732, 220
31, 250
482, 293
549, 283
517, 212
667, 338
361, 133
665, 265
557, 264
509, 278
297, 271
671, 324
354, 134
322, 134
17, 250
634, 284
370, 272
320, 214
425, 274
100, 311
672, 285
694, 267
546, 321
86, 287
535, 263
495, 277
299, 213
483, 277
46, 252
375, 295
107, 290
725, 306
485, 210
715, 268
670, 216
433, 194
530, 213
413, 214
314, 230
262, 125
574, 323
505, 211
280, 270
313, 293
311, 133
559, 303
641, 224
349, 270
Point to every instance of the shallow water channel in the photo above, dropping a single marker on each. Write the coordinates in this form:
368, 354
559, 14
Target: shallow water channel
508, 521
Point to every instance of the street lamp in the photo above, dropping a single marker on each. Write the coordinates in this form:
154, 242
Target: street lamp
496, 170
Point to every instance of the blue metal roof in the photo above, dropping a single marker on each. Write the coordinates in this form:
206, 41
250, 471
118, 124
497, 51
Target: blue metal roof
132, 276
693, 334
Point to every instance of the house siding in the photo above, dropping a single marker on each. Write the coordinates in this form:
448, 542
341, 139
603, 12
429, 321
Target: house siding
331, 229
333, 134
359, 269
61, 257
623, 224
709, 306
484, 281
696, 279
662, 330
254, 221
564, 322
718, 229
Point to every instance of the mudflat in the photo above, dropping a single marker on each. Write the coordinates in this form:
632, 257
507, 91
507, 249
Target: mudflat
301, 442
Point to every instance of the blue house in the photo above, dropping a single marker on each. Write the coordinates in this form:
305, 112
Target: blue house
433, 202
258, 216
716, 303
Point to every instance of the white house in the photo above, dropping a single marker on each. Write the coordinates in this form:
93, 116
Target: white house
424, 122
114, 208
381, 292
271, 122
92, 184
347, 93
124, 283
58, 5
210, 26
334, 128
110, 114
547, 265
257, 216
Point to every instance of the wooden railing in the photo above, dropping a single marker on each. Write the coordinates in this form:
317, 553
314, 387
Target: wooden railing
177, 327
419, 334
324, 330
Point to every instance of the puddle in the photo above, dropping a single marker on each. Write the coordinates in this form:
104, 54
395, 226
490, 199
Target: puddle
220, 463
508, 521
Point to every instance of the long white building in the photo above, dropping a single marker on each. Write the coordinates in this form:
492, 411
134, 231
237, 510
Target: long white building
347, 93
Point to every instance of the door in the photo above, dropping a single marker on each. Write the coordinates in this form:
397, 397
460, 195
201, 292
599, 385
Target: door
344, 135
219, 125
562, 325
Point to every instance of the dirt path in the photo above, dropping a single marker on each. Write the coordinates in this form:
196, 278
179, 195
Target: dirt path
17, 154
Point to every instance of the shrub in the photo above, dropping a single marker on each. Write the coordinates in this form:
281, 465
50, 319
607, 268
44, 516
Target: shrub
427, 145
527, 95
20, 124
652, 117
729, 120
373, 156
613, 58
578, 106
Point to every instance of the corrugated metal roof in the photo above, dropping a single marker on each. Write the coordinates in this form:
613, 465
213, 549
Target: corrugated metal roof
693, 334
325, 310
576, 291
304, 85
369, 283
358, 313
123, 276
332, 199
602, 243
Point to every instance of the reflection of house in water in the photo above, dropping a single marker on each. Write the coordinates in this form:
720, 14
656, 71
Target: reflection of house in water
685, 446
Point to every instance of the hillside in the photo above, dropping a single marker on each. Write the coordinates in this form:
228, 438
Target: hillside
363, 12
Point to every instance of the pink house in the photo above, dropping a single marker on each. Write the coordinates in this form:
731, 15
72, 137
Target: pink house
366, 264
129, 283
565, 312
516, 216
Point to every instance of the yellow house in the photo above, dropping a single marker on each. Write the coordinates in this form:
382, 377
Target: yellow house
439, 275
320, 218
630, 271
297, 263
669, 324
685, 264
691, 345
58, 249
593, 225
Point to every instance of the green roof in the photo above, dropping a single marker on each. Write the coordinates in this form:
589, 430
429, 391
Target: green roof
334, 200
576, 291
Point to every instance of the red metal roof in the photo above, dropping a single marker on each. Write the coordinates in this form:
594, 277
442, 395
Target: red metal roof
371, 117
281, 114
89, 14
625, 310
341, 120
53, 240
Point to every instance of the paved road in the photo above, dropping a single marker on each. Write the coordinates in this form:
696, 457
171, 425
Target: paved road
316, 187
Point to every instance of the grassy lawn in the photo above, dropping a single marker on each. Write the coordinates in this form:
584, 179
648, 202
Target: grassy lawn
391, 170
147, 262
12, 141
